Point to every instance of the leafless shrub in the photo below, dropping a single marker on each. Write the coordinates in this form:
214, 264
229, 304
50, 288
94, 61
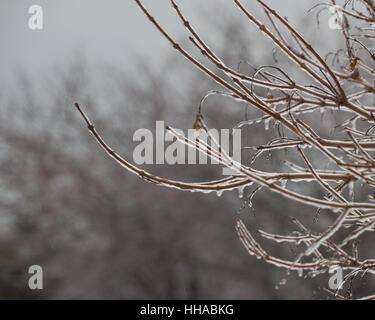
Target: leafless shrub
345, 89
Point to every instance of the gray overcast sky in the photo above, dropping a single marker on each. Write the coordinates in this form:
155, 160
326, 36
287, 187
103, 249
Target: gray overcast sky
109, 31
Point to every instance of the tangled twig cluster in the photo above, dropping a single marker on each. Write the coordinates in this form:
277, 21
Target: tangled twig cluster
346, 89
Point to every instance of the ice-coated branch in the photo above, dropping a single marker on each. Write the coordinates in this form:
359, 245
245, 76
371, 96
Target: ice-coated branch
344, 88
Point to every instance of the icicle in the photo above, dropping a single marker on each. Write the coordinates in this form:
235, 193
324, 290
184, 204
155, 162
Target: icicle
283, 183
351, 191
241, 191
219, 193
267, 123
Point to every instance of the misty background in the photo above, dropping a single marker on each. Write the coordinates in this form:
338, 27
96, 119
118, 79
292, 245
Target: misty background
97, 230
